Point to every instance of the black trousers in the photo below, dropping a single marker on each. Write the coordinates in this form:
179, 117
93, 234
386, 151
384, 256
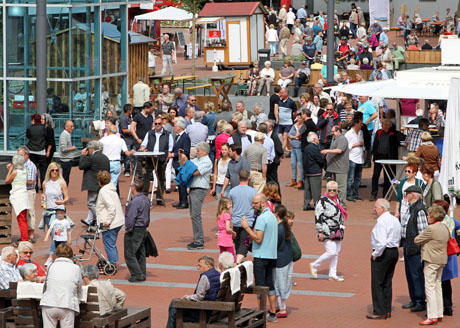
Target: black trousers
272, 175
382, 270
40, 163
161, 171
447, 295
376, 175
135, 252
66, 168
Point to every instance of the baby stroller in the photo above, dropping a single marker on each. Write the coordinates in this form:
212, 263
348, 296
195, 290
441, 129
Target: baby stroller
242, 87
89, 236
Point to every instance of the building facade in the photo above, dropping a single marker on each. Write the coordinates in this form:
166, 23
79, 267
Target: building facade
87, 64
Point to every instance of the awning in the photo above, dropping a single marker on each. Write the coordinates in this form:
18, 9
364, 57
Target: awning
206, 20
168, 13
423, 83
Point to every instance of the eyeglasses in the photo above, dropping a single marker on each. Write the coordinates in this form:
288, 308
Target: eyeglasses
408, 171
332, 190
54, 170
158, 123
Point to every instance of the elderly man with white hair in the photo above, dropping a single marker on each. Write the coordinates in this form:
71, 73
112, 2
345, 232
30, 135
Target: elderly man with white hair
198, 190
8, 271
109, 297
29, 272
25, 251
259, 114
197, 133
226, 261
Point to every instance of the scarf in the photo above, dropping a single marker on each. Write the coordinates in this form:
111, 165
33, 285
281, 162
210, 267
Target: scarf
342, 210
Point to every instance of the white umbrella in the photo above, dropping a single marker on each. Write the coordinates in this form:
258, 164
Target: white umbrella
450, 169
168, 13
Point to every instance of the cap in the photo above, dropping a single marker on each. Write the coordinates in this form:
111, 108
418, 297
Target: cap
343, 38
304, 63
366, 46
416, 189
386, 28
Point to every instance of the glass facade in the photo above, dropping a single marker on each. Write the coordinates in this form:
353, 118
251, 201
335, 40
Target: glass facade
87, 69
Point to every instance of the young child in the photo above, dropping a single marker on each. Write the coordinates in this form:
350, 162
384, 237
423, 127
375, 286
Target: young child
224, 223
60, 228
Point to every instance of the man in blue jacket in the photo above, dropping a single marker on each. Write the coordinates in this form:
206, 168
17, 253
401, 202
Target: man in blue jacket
206, 290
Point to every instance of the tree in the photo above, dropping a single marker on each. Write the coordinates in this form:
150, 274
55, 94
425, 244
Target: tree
193, 7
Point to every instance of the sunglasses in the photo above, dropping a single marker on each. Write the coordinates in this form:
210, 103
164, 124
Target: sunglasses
27, 252
54, 170
192, 99
158, 123
408, 171
332, 190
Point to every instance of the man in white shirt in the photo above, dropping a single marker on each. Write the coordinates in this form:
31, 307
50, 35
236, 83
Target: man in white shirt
151, 62
157, 141
386, 236
141, 94
356, 159
113, 145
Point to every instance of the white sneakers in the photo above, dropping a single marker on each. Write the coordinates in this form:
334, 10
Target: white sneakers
313, 271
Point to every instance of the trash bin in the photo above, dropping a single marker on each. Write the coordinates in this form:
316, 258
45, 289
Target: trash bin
264, 55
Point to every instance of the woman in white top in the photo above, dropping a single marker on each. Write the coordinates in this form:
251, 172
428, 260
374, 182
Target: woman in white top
314, 108
60, 301
267, 76
19, 198
109, 213
272, 38
56, 195
220, 170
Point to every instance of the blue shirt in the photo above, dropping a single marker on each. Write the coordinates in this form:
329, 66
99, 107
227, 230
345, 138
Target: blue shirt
367, 109
324, 71
241, 197
383, 38
316, 28
309, 49
301, 13
268, 248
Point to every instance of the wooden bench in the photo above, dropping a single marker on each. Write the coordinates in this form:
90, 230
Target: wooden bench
423, 57
227, 310
90, 316
201, 86
138, 317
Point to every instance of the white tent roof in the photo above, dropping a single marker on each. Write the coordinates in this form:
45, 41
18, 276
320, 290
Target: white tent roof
168, 13
420, 83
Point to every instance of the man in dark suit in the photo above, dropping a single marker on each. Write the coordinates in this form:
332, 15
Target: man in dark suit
272, 168
157, 140
92, 160
181, 146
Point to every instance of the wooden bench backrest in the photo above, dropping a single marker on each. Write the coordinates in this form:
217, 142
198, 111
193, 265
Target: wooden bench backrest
90, 309
222, 296
26, 313
423, 56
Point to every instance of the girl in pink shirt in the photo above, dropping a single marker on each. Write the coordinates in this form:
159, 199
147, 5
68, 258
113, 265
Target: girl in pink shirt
224, 223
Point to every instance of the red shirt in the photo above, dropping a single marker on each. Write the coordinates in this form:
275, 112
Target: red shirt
40, 271
220, 140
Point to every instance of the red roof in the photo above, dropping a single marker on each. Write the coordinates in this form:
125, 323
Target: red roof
216, 9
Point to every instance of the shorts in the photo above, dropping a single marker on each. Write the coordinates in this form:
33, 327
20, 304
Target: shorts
283, 128
263, 273
241, 235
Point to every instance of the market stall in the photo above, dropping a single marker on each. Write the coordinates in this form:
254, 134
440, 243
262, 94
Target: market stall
234, 31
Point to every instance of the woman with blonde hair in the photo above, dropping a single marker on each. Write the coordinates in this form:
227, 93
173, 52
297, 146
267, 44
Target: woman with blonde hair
55, 195
271, 191
19, 198
237, 117
210, 116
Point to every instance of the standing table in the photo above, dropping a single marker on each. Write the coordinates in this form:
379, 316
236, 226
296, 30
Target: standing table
387, 163
155, 159
225, 83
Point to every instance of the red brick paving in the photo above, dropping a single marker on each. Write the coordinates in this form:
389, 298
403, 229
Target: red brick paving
172, 228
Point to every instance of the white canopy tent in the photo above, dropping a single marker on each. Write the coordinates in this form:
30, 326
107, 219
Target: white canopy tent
420, 83
168, 13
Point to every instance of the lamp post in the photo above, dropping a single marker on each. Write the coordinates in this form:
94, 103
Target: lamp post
40, 51
330, 41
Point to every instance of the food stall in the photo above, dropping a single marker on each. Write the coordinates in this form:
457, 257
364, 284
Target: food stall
233, 32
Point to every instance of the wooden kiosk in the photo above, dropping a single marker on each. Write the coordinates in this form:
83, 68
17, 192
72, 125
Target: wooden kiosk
233, 32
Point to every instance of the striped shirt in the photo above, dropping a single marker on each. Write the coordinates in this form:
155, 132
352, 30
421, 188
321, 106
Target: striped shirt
8, 273
413, 140
31, 170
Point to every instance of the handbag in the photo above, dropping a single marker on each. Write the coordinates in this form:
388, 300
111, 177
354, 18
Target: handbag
296, 251
335, 233
452, 245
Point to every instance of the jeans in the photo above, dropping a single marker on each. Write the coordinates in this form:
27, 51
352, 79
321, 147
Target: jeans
189, 315
354, 176
272, 48
196, 198
219, 189
332, 255
66, 168
296, 158
115, 170
167, 60
109, 238
127, 159
353, 30
135, 252
414, 276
